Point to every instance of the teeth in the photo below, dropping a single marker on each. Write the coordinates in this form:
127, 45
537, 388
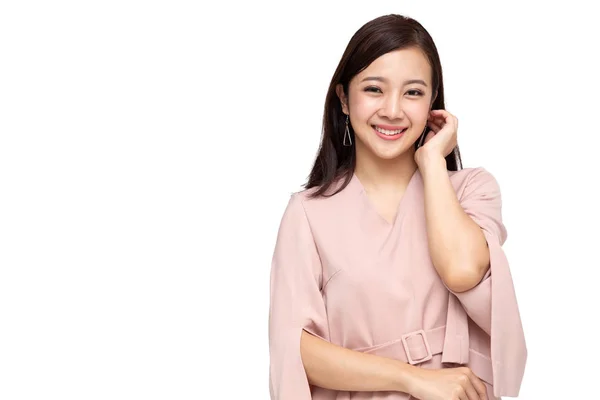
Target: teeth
386, 132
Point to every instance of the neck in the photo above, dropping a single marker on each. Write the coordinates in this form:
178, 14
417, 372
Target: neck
385, 175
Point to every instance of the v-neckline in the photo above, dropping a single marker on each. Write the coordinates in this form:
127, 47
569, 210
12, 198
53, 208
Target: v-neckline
401, 203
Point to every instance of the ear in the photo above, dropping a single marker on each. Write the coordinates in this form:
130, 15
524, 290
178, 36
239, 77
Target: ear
339, 90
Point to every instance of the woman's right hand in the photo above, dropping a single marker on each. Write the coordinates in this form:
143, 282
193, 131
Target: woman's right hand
447, 384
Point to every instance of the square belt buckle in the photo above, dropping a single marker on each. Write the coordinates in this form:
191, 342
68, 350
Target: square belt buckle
420, 332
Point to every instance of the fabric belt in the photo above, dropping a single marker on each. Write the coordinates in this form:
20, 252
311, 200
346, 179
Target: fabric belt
414, 347
419, 346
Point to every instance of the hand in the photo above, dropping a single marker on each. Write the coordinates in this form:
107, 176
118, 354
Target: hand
442, 138
447, 384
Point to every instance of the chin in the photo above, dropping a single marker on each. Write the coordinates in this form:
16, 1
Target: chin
387, 151
390, 155
391, 152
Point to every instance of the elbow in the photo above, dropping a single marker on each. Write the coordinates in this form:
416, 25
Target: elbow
463, 280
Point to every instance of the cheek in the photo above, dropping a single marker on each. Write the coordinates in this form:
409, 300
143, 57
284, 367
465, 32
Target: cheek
363, 106
418, 113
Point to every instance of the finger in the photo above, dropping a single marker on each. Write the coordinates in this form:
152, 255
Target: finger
471, 392
429, 136
440, 121
444, 116
440, 115
479, 386
440, 111
462, 395
459, 393
434, 127
436, 117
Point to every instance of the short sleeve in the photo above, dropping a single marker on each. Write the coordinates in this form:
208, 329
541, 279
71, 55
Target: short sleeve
296, 302
492, 304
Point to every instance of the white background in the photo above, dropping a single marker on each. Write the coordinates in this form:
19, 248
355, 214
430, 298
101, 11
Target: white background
148, 150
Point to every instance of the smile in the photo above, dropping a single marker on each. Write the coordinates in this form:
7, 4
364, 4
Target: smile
388, 134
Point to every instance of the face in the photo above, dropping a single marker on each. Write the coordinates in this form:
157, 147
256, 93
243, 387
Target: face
389, 102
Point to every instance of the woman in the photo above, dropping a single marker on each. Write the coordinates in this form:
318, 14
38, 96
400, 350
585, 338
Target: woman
388, 279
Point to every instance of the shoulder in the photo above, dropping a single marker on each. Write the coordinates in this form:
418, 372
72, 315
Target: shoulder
474, 180
330, 199
330, 209
314, 207
300, 202
468, 174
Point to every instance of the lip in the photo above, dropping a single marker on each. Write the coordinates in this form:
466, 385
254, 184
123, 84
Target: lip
389, 127
389, 137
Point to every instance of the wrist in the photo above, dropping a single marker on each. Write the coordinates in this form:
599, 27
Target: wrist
431, 161
405, 377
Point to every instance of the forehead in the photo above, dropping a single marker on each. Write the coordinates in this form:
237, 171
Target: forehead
398, 65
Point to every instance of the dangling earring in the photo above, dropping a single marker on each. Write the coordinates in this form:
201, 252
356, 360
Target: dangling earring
347, 134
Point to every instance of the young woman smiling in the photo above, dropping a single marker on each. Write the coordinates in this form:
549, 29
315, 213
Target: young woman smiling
388, 278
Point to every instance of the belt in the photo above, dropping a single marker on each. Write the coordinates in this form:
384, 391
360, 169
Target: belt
419, 346
414, 347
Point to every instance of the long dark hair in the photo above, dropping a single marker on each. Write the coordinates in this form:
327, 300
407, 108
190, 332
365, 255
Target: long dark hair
374, 39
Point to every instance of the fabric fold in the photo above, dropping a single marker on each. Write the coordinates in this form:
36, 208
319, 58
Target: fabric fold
296, 303
492, 304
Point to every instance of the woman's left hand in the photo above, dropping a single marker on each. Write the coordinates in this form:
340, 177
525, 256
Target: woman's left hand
442, 138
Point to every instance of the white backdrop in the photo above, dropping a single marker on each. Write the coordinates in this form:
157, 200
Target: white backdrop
148, 150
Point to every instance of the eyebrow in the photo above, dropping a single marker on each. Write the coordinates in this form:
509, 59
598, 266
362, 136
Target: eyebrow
384, 80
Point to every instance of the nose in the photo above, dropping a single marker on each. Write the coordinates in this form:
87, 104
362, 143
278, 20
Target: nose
391, 108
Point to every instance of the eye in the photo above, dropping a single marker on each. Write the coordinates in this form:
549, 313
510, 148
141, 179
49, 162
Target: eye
372, 89
416, 92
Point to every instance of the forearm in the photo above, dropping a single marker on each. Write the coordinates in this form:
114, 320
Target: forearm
334, 367
457, 246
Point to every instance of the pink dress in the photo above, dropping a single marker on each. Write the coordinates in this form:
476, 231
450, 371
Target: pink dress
342, 272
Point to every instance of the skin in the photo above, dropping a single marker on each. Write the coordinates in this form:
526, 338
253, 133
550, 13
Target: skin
457, 246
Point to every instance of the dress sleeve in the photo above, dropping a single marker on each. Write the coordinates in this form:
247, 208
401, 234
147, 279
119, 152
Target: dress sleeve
296, 303
481, 200
492, 304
